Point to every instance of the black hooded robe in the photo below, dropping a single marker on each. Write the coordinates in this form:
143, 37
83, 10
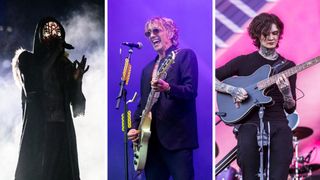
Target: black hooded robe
48, 149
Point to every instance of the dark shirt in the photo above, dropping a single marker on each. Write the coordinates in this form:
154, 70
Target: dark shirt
246, 65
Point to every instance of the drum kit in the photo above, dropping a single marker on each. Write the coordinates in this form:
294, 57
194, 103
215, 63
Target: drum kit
300, 168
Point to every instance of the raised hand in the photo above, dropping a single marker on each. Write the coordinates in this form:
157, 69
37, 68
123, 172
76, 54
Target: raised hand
80, 68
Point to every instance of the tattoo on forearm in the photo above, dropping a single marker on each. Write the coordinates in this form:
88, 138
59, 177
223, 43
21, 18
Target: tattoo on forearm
289, 102
286, 91
222, 87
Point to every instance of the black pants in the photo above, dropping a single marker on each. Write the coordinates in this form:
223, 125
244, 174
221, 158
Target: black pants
162, 163
281, 151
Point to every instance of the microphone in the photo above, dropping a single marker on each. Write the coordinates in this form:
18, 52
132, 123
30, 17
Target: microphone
67, 46
137, 45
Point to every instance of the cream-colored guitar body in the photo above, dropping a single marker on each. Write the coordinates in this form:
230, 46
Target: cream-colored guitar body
141, 149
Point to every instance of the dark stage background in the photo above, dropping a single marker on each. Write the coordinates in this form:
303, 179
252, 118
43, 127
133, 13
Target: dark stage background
126, 20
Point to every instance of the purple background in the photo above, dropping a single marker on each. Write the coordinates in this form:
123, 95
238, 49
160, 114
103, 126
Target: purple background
126, 20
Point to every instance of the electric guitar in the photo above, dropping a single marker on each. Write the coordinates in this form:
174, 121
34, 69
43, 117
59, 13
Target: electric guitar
141, 147
255, 85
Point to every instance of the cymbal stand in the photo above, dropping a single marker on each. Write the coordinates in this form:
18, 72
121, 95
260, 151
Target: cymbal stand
296, 144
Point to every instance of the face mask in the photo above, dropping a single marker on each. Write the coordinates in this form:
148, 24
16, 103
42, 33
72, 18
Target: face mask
51, 32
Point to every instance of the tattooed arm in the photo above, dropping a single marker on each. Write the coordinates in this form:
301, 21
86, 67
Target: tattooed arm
224, 88
285, 89
239, 94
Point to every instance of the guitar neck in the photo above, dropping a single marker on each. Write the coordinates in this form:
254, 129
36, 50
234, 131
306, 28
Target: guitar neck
289, 72
152, 99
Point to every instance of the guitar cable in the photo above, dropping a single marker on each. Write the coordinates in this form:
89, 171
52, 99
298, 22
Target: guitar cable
302, 94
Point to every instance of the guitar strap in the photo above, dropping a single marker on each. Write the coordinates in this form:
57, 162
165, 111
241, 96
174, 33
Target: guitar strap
279, 65
275, 69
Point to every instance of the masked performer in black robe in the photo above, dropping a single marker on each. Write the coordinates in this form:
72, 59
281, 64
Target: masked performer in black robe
50, 84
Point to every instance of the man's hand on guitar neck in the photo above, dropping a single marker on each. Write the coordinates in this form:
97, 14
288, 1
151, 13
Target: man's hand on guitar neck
160, 85
133, 135
238, 93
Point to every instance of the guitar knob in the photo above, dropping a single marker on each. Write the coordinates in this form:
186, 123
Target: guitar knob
135, 162
136, 155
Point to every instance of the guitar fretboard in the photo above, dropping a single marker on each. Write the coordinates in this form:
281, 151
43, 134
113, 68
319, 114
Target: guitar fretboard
289, 72
152, 98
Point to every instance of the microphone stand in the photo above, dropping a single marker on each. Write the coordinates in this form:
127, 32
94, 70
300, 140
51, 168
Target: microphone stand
123, 96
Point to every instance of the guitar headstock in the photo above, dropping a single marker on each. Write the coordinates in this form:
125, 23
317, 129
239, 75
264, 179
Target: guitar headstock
169, 60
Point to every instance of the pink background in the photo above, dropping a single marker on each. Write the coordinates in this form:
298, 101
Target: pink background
300, 43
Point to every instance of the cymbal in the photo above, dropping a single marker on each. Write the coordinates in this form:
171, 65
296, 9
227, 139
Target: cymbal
313, 167
305, 169
302, 132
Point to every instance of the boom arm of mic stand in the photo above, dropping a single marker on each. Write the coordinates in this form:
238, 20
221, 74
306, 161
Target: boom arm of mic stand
307, 158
